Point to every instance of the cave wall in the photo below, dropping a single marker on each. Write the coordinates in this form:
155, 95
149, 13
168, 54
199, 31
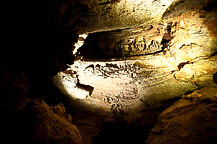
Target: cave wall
142, 67
181, 123
40, 40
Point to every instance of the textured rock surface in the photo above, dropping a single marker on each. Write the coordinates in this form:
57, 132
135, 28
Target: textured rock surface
53, 126
124, 43
42, 34
105, 15
39, 123
190, 120
128, 74
120, 86
185, 60
89, 124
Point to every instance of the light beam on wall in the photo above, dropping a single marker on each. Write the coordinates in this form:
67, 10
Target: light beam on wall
80, 42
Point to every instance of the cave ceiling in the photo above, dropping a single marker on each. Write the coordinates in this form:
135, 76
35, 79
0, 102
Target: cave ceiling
139, 53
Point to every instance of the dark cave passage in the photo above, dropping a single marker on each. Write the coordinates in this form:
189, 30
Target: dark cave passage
122, 133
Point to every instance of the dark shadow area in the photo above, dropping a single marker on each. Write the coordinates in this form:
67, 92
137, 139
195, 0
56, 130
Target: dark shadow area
215, 77
210, 7
181, 65
96, 46
16, 127
120, 133
214, 54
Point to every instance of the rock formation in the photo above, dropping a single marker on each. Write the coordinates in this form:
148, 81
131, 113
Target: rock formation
190, 120
86, 71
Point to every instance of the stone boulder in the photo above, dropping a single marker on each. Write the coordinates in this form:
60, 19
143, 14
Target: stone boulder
191, 120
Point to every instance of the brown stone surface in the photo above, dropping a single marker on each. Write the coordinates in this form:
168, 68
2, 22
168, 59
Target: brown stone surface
41, 40
39, 123
89, 124
190, 120
174, 57
105, 15
53, 126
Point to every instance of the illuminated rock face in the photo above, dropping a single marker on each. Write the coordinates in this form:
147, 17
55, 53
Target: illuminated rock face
132, 68
106, 15
121, 87
126, 71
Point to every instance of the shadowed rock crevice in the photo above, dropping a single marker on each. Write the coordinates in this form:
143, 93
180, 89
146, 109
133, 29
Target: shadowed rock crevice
215, 77
181, 65
84, 87
121, 133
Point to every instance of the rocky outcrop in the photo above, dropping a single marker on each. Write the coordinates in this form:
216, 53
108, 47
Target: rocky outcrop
123, 72
124, 43
104, 15
53, 125
39, 123
190, 120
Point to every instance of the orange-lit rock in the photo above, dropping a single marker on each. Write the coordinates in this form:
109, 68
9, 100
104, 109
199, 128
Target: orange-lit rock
190, 120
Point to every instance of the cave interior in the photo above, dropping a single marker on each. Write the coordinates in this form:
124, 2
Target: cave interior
109, 72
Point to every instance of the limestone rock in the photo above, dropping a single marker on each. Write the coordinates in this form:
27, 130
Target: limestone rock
190, 120
204, 95
129, 42
50, 127
105, 15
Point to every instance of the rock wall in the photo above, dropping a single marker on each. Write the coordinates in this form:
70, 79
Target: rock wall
39, 123
190, 120
116, 76
41, 37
